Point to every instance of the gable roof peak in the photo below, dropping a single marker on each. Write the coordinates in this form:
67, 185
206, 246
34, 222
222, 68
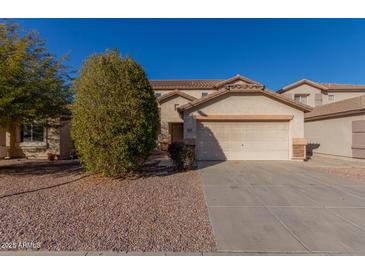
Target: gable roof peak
302, 82
176, 92
235, 78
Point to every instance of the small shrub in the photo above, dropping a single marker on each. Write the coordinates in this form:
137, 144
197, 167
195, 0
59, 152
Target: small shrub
182, 155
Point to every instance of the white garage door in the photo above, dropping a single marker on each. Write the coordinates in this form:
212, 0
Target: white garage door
243, 141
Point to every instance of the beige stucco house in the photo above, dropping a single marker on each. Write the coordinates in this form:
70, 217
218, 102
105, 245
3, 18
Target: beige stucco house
335, 125
36, 141
316, 94
233, 119
337, 129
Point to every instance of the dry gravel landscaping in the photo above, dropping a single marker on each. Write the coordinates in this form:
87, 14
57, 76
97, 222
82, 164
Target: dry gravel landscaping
60, 207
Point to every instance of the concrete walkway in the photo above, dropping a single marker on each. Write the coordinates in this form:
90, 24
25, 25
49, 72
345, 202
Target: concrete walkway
283, 207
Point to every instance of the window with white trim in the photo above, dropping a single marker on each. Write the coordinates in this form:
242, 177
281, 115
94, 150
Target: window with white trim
157, 94
32, 133
331, 98
302, 98
204, 94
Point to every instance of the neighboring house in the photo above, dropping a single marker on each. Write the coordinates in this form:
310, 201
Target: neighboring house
337, 129
316, 94
35, 141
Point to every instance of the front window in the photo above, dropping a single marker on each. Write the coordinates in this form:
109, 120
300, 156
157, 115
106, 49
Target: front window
32, 133
204, 94
157, 94
301, 98
331, 98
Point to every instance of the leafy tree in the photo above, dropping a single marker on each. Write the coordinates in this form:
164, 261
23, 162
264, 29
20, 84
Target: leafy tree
115, 115
33, 84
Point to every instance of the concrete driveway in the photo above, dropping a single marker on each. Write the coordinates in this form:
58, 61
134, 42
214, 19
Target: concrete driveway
284, 207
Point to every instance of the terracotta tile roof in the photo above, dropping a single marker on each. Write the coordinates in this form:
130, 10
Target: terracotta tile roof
184, 84
334, 86
199, 84
323, 86
238, 78
247, 89
341, 108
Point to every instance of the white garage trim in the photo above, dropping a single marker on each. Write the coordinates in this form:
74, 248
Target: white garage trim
244, 117
242, 140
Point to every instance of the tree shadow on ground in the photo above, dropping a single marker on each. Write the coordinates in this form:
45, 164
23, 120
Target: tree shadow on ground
25, 168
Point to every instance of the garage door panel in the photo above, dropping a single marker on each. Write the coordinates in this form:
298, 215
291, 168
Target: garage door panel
259, 155
214, 146
234, 132
212, 156
243, 141
257, 146
212, 151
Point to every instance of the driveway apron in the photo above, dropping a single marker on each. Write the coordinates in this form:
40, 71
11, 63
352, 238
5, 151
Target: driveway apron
283, 207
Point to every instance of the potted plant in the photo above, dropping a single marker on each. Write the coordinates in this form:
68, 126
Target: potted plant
51, 156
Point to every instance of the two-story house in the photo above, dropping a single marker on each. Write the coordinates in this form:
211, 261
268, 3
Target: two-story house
171, 94
233, 119
316, 94
336, 126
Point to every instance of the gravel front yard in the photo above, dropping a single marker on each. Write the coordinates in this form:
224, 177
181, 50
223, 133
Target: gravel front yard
59, 207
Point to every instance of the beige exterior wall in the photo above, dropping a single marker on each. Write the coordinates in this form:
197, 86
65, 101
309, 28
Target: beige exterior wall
236, 104
332, 136
168, 114
305, 89
339, 96
57, 140
312, 91
39, 150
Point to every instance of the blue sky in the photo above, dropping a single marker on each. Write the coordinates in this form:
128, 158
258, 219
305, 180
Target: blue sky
272, 51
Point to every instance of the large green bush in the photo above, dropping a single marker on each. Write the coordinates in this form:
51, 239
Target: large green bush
115, 115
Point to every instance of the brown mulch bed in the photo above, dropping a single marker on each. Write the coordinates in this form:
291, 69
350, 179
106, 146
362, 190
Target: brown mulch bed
59, 207
356, 174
